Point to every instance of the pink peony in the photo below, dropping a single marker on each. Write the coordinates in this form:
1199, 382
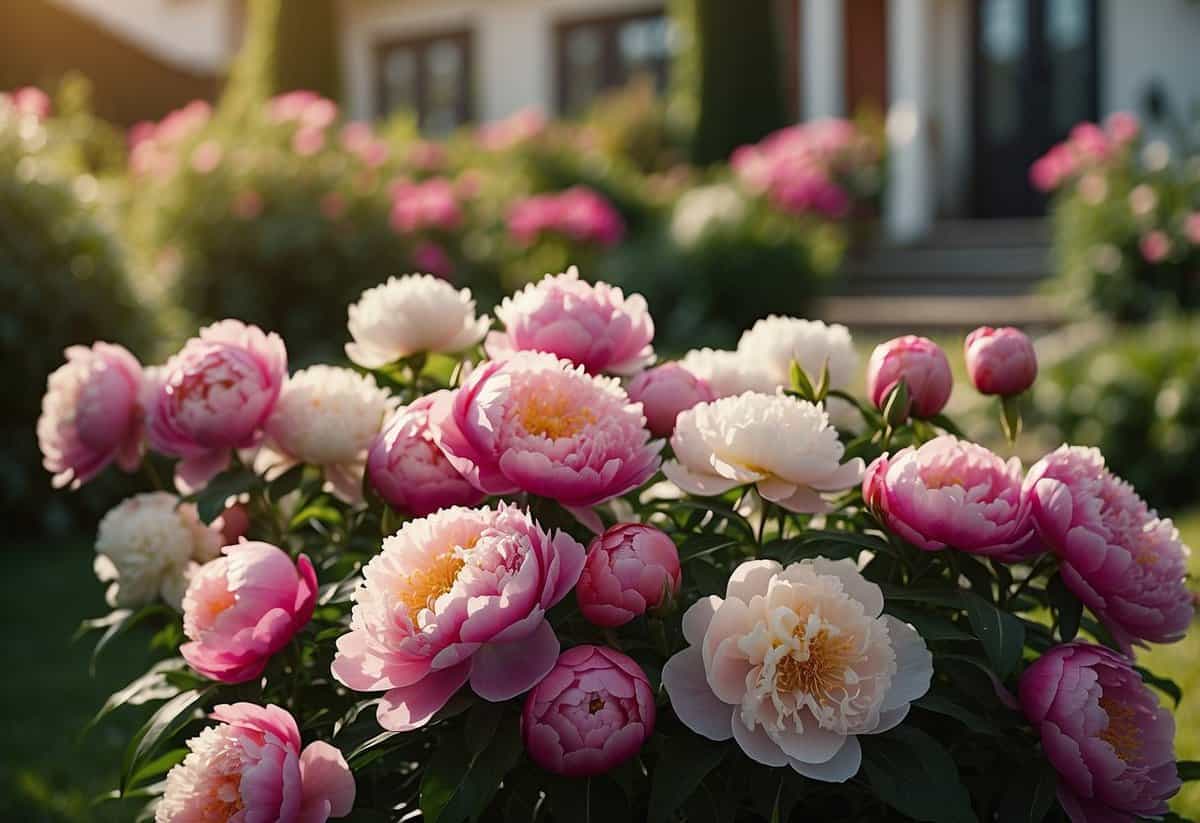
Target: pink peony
433, 259
215, 396
91, 415
590, 714
922, 365
1000, 361
422, 206
1154, 246
952, 493
459, 595
1127, 565
629, 569
578, 213
594, 326
1122, 127
244, 607
29, 100
1105, 733
308, 140
537, 424
251, 768
408, 469
664, 392
513, 130
207, 156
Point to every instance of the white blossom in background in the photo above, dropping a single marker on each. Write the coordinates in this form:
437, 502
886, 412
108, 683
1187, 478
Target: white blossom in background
704, 208
774, 342
727, 372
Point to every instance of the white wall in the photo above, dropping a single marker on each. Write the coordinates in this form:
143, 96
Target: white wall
951, 125
1147, 40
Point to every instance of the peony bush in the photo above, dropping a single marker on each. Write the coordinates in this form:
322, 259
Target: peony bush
524, 570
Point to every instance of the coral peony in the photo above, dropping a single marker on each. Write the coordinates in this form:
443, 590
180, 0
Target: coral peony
459, 595
591, 713
664, 392
1105, 733
251, 768
794, 663
921, 364
630, 568
1000, 361
244, 607
594, 326
1125, 563
91, 415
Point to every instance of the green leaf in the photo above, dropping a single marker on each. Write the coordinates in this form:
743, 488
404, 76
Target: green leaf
950, 598
210, 501
1002, 635
1010, 417
153, 685
681, 767
800, 382
158, 766
912, 773
939, 704
931, 627
370, 750
320, 512
162, 725
1163, 684
286, 483
458, 785
587, 800
897, 404
703, 545
1030, 795
1189, 770
1066, 606
116, 624
481, 723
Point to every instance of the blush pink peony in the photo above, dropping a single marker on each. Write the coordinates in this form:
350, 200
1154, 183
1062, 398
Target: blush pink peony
664, 392
91, 414
537, 424
215, 396
590, 714
251, 768
921, 364
242, 608
1105, 733
1124, 562
952, 493
458, 596
794, 663
630, 568
1000, 361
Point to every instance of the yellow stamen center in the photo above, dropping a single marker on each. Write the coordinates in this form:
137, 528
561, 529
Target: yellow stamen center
554, 417
823, 670
423, 587
1122, 732
595, 705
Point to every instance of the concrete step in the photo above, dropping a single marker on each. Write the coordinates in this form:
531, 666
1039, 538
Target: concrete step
916, 313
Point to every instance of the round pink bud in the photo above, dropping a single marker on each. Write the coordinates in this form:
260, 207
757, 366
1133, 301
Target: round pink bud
664, 392
591, 713
629, 568
921, 364
1000, 361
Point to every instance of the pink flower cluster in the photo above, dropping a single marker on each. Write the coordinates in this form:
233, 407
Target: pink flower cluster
153, 147
501, 135
578, 214
358, 139
430, 205
310, 114
29, 100
1088, 146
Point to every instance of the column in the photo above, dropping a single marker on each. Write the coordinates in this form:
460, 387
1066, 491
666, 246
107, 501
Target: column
822, 46
910, 199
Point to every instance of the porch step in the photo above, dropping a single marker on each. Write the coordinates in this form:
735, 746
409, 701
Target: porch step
917, 313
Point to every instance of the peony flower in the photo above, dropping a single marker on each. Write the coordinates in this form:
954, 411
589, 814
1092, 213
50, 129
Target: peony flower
776, 341
705, 209
953, 493
409, 315
459, 595
1127, 565
630, 568
251, 768
590, 714
148, 546
408, 469
328, 417
921, 364
242, 608
537, 424
1155, 246
29, 100
578, 213
90, 414
594, 326
736, 441
432, 258
1104, 731
424, 206
727, 372
664, 392
1123, 127
215, 396
1000, 361
796, 662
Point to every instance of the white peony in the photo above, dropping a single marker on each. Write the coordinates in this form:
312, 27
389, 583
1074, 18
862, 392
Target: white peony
148, 546
703, 208
784, 446
774, 342
727, 372
412, 314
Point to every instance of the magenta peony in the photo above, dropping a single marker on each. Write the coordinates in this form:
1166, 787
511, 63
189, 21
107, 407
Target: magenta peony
431, 205
591, 713
215, 396
1124, 562
459, 595
664, 392
1105, 733
409, 471
91, 415
578, 214
1000, 361
251, 768
244, 607
630, 568
594, 326
952, 493
922, 365
537, 424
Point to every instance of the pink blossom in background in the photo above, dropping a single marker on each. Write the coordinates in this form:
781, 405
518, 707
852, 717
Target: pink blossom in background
665, 391
91, 414
214, 396
308, 140
251, 767
591, 713
922, 365
1104, 732
1124, 562
431, 258
153, 147
952, 493
630, 568
458, 596
424, 206
512, 130
30, 101
1000, 361
538, 424
427, 155
244, 607
247, 204
1123, 127
1090, 142
306, 108
592, 325
1191, 228
333, 205
206, 157
1154, 246
577, 213
359, 140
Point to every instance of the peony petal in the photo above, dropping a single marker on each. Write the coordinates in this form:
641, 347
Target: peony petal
751, 578
853, 583
411, 707
701, 485
914, 665
757, 744
693, 701
327, 782
838, 769
697, 618
501, 671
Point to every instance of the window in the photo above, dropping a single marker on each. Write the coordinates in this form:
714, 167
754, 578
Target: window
598, 54
429, 76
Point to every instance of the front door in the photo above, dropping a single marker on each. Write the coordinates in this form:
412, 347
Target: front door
1035, 77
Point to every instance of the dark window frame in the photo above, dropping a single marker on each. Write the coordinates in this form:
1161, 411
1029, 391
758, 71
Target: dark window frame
420, 45
610, 25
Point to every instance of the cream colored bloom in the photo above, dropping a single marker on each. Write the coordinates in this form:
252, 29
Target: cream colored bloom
774, 342
784, 446
727, 372
703, 208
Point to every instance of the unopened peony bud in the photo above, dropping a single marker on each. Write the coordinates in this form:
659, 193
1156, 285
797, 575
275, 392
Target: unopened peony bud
629, 569
923, 367
664, 392
1000, 361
